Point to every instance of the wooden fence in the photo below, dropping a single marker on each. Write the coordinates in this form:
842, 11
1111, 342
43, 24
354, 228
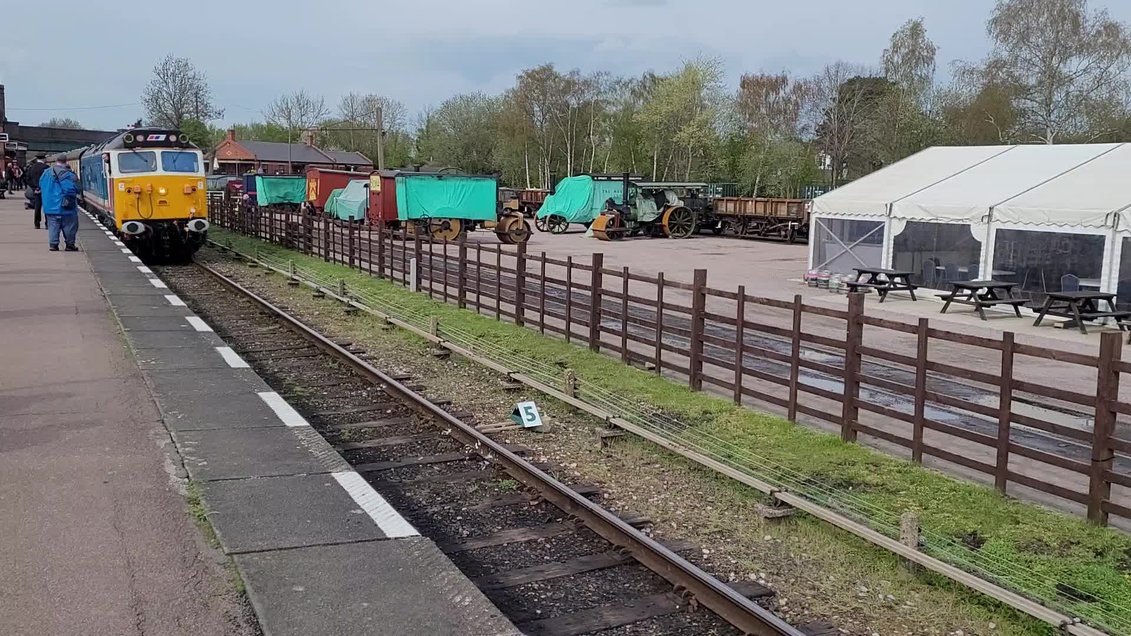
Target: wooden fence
1031, 420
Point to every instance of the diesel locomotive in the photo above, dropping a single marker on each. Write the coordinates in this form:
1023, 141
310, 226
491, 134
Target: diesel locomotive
148, 186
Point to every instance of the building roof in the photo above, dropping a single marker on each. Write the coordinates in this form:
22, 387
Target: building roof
348, 158
47, 139
277, 152
1082, 185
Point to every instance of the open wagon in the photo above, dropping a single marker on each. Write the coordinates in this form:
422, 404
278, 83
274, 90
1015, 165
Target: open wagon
785, 219
443, 205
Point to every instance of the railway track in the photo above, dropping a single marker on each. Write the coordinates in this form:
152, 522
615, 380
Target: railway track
550, 557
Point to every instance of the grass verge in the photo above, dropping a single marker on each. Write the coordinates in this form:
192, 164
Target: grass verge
1055, 551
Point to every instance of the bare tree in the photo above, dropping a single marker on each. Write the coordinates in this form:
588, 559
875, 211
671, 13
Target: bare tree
297, 112
843, 100
769, 110
177, 93
62, 122
1060, 61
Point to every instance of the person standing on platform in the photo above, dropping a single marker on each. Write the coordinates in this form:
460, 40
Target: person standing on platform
34, 172
59, 190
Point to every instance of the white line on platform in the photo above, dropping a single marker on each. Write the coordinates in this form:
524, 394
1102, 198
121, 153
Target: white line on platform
143, 269
385, 516
119, 243
126, 251
197, 323
175, 300
232, 358
288, 415
158, 283
133, 259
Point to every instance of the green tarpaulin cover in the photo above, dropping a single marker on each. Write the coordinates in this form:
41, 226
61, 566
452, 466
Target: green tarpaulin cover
272, 190
441, 196
349, 203
581, 199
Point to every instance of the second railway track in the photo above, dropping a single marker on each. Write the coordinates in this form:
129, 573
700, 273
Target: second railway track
554, 561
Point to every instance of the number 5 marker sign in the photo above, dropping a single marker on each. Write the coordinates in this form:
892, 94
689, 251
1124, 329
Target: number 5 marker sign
526, 415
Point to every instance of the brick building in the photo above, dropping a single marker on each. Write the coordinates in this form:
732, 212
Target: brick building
24, 142
235, 157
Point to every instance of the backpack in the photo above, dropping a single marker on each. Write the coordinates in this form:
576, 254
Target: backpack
70, 202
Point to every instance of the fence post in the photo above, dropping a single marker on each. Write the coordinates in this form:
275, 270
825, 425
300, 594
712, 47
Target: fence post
326, 239
795, 361
542, 294
698, 306
922, 331
380, 248
1107, 392
659, 322
569, 383
416, 257
595, 282
739, 340
461, 272
569, 299
624, 315
1004, 415
852, 341
350, 225
520, 285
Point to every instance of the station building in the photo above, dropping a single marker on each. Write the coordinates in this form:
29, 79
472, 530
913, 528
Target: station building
25, 142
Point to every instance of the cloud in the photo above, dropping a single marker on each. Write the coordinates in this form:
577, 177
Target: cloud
422, 53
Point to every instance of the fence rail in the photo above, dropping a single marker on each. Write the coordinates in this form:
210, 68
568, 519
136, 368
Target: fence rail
985, 405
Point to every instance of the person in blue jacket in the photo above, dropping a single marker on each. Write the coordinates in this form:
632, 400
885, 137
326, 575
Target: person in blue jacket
60, 190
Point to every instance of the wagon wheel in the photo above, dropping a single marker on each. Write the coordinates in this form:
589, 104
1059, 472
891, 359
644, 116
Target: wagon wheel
679, 222
557, 224
445, 229
540, 223
513, 230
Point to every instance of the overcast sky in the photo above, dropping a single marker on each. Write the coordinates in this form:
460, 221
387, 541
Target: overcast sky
62, 57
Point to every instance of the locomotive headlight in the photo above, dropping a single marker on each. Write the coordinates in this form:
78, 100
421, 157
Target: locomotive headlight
173, 138
161, 191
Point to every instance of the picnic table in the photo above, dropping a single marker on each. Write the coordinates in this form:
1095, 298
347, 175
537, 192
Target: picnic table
981, 294
1081, 306
883, 281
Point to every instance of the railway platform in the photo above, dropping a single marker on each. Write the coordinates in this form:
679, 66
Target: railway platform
98, 438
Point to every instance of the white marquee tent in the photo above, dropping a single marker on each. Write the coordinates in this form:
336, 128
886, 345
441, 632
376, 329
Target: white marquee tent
1046, 217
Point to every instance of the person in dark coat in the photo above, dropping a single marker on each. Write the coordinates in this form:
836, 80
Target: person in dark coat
34, 173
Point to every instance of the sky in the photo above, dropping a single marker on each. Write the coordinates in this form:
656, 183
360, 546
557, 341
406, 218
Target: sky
91, 60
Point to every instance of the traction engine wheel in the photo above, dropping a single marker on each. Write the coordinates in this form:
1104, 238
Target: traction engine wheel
557, 224
513, 229
608, 227
679, 222
445, 229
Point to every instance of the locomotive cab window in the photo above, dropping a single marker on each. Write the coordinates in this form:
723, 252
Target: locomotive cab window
179, 161
134, 162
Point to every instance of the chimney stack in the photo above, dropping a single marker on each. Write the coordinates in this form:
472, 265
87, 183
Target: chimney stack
231, 134
3, 111
308, 137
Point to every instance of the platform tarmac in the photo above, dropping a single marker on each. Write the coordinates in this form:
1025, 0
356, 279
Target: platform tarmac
103, 366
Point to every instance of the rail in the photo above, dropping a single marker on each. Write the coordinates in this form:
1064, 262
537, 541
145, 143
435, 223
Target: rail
706, 589
779, 482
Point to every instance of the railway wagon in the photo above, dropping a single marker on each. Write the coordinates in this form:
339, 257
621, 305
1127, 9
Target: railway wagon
443, 204
148, 186
321, 182
750, 217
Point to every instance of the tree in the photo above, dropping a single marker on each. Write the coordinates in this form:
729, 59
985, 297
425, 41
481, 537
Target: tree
62, 122
176, 93
680, 121
768, 108
462, 133
1061, 63
845, 100
355, 127
297, 112
909, 60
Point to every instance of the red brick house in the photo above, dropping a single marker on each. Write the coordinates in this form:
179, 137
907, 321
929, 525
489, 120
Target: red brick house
236, 157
